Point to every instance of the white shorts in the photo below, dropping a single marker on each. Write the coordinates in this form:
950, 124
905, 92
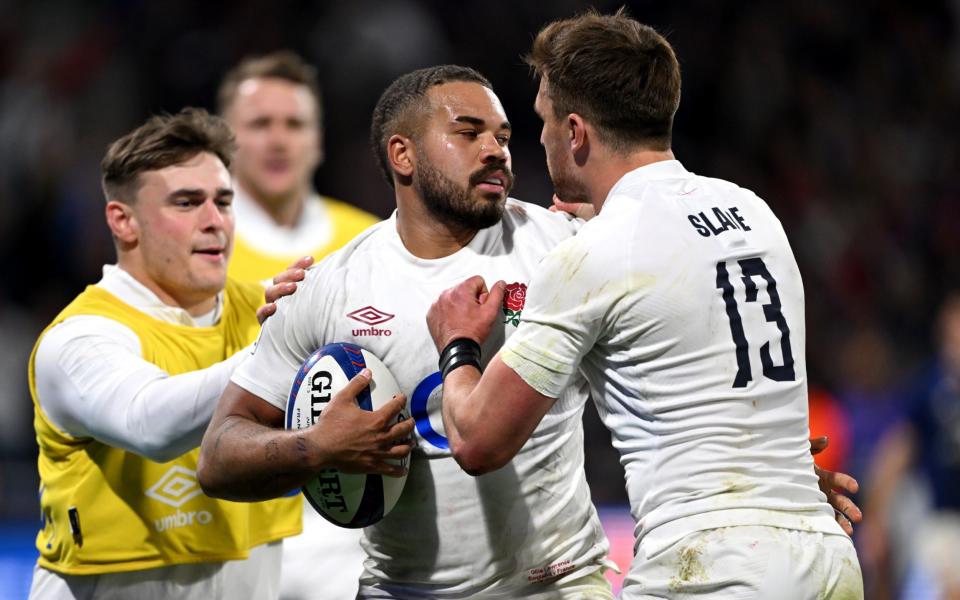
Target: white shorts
589, 587
749, 562
322, 563
256, 577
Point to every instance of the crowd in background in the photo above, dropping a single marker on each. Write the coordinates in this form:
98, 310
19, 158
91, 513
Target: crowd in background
842, 115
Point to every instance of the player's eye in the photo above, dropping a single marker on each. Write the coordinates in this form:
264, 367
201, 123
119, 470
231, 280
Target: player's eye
187, 202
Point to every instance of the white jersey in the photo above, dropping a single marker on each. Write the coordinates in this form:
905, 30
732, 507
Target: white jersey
682, 304
510, 532
324, 561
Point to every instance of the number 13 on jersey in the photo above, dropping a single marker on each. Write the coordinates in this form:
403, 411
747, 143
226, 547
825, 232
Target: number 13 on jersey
753, 268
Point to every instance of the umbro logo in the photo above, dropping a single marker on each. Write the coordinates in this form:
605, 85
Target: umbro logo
175, 487
368, 315
178, 485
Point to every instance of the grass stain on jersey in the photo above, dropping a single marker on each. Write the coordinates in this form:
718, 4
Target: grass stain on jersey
738, 486
690, 569
571, 255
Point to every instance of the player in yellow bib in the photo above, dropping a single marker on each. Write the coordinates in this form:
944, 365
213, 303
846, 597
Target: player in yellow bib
124, 381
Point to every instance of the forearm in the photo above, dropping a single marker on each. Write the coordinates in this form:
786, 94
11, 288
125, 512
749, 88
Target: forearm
93, 382
488, 418
246, 455
168, 417
243, 460
459, 408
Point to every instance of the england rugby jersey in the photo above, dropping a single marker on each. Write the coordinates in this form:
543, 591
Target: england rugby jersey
324, 558
682, 304
510, 532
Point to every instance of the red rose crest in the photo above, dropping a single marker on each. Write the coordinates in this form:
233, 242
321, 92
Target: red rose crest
513, 301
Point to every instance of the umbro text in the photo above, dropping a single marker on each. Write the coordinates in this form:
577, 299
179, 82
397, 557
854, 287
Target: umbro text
182, 519
372, 331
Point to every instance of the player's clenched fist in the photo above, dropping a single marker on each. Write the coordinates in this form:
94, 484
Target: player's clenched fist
467, 310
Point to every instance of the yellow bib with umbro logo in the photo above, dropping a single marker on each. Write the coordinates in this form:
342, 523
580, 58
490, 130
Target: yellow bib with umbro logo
107, 510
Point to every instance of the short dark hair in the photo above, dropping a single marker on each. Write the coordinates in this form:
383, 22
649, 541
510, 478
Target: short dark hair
283, 64
163, 141
619, 74
402, 101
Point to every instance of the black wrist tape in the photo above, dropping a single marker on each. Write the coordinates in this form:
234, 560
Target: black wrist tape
459, 352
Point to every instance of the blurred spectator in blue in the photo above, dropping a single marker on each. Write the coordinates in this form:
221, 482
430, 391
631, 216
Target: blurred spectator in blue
926, 444
868, 376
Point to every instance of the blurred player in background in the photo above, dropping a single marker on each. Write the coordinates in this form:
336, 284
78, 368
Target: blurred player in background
682, 305
126, 377
527, 531
927, 442
274, 107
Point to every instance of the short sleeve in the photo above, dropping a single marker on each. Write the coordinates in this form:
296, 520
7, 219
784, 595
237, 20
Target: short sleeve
288, 337
566, 311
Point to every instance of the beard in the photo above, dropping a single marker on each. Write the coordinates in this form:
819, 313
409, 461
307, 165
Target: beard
451, 204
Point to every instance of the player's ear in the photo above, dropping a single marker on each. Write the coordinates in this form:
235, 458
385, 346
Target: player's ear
576, 133
122, 222
402, 156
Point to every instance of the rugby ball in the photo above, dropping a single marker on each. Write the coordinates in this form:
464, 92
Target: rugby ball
344, 499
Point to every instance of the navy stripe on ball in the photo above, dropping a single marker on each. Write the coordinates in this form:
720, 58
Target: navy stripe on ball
298, 381
350, 359
371, 505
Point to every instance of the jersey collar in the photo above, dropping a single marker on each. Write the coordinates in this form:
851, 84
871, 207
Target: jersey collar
125, 287
660, 170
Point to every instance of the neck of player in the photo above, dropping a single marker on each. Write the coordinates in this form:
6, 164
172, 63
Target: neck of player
285, 209
422, 234
605, 168
198, 303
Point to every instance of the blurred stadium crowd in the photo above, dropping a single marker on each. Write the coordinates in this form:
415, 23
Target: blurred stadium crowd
842, 115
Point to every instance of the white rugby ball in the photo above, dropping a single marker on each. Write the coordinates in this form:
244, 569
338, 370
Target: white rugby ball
344, 499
